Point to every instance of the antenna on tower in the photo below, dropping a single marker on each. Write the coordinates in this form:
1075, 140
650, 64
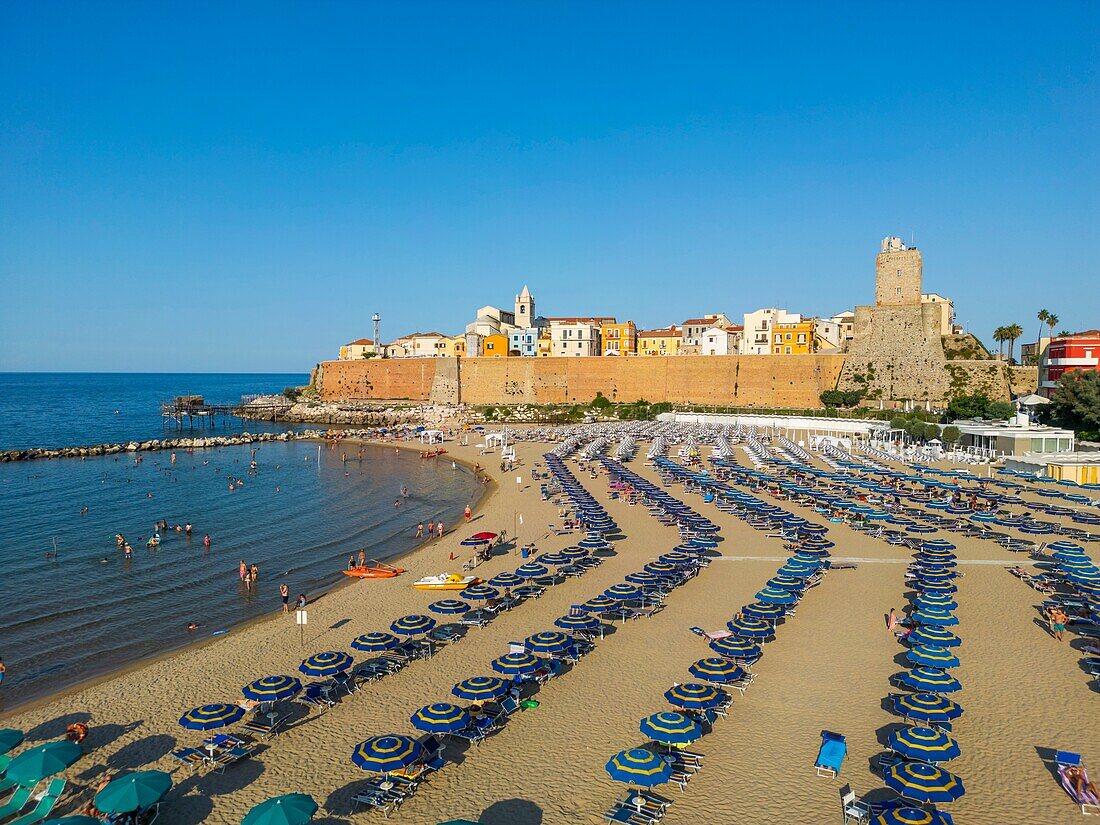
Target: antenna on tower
912, 238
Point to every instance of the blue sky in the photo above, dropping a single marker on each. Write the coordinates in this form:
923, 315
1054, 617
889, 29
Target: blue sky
238, 187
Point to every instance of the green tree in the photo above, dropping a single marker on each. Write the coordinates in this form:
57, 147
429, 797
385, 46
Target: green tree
600, 402
1000, 337
1043, 315
915, 428
1013, 333
832, 398
1076, 402
1000, 410
898, 423
931, 430
292, 393
950, 434
1052, 322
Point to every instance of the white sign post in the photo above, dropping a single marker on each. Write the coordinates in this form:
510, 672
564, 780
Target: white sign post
302, 618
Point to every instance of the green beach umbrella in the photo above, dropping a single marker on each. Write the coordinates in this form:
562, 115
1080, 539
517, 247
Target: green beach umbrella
41, 761
10, 738
132, 791
290, 809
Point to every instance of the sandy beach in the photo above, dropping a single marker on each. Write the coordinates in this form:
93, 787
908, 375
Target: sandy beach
829, 669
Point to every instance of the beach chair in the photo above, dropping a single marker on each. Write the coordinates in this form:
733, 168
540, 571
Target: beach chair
192, 758
345, 681
854, 808
264, 726
446, 634
17, 802
831, 754
314, 697
46, 803
231, 756
1065, 762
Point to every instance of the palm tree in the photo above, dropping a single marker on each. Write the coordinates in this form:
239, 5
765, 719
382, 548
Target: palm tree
1042, 316
1000, 337
1052, 322
1012, 332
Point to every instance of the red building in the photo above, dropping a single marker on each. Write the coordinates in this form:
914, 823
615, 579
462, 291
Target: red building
1080, 351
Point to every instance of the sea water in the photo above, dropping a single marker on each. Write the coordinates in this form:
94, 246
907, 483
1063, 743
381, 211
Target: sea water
71, 605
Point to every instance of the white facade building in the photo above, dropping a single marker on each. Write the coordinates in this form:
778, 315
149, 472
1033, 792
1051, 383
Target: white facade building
718, 341
756, 339
569, 340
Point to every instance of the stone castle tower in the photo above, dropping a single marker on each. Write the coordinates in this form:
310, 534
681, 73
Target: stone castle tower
897, 274
896, 354
525, 309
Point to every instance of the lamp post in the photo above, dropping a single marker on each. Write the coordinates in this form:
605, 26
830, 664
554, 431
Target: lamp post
377, 341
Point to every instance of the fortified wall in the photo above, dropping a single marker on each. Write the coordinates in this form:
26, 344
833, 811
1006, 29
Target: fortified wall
771, 381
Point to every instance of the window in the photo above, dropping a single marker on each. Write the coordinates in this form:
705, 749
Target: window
778, 337
802, 338
787, 350
897, 291
899, 273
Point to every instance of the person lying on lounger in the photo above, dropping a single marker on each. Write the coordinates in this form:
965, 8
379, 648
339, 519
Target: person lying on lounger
1082, 787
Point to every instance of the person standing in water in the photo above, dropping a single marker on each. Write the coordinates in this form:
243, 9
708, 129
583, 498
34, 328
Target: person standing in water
420, 530
243, 570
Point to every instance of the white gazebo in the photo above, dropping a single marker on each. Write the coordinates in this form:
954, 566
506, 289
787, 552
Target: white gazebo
431, 436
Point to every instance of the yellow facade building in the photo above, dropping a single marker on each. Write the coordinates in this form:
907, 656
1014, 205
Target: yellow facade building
793, 339
659, 342
454, 347
494, 346
363, 348
619, 339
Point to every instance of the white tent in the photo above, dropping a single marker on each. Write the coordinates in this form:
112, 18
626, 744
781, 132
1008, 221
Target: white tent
431, 436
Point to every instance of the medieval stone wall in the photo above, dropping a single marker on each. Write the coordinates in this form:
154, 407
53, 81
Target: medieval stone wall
762, 380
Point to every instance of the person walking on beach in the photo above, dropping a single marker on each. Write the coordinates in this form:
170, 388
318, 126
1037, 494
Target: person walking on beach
420, 530
1057, 621
439, 528
891, 620
431, 528
467, 513
284, 594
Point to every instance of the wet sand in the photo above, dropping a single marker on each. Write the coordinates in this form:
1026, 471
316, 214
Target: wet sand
829, 668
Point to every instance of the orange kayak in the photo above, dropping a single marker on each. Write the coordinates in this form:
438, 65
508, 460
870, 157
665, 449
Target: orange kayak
376, 571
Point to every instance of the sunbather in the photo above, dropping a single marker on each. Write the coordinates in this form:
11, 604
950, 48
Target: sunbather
1083, 789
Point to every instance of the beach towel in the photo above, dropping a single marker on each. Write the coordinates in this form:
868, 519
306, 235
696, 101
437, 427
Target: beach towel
1089, 802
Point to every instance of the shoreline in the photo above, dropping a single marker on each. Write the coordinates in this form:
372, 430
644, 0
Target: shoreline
189, 645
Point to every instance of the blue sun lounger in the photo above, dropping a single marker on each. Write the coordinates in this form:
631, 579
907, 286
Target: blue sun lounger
831, 754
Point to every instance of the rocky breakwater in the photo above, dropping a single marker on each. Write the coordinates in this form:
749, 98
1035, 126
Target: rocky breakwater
156, 444
371, 414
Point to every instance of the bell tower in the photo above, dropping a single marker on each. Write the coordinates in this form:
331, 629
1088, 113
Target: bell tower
525, 309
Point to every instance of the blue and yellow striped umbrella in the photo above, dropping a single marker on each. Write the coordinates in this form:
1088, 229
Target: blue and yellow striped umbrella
692, 695
548, 641
776, 595
1088, 577
506, 579
736, 648
929, 680
328, 663
479, 592
934, 615
932, 656
622, 592
789, 583
577, 621
413, 625
532, 570
271, 688
751, 628
718, 670
932, 635
764, 612
516, 664
375, 642
943, 601
639, 767
449, 607
923, 783
391, 752
675, 557
210, 717
671, 728
926, 707
925, 744
480, 688
660, 568
644, 579
441, 717
909, 816
554, 559
575, 553
599, 604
